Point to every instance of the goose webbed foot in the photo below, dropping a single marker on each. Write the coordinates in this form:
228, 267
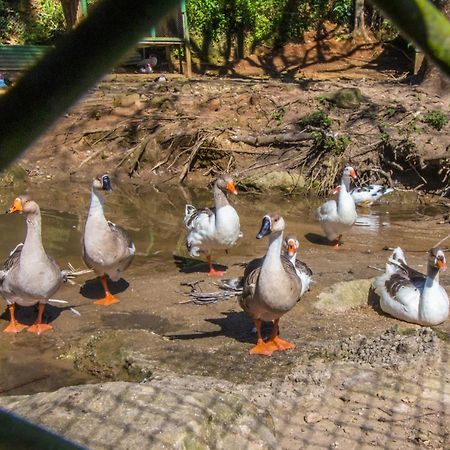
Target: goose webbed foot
39, 327
108, 299
14, 326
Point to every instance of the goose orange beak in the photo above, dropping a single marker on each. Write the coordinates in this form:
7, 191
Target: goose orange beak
336, 190
16, 206
441, 264
232, 188
353, 174
291, 249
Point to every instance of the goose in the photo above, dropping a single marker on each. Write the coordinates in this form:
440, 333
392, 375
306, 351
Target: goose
409, 295
290, 247
213, 228
107, 248
29, 275
367, 195
271, 287
338, 216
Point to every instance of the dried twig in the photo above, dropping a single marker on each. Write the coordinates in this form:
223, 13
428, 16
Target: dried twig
267, 139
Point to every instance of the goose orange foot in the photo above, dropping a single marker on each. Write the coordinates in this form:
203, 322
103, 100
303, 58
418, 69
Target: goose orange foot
14, 327
39, 328
281, 345
107, 300
262, 348
215, 273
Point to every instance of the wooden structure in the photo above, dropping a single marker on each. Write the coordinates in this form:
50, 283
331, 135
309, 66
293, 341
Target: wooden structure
174, 31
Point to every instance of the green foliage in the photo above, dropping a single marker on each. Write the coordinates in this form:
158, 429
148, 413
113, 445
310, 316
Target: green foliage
436, 119
271, 21
332, 145
316, 119
278, 115
37, 22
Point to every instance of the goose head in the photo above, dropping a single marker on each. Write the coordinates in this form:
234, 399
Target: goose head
102, 183
226, 184
436, 260
291, 245
24, 204
271, 223
349, 172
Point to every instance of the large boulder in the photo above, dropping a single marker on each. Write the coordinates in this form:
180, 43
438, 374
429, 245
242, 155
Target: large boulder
121, 415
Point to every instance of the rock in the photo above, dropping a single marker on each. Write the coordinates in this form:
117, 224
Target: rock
126, 100
344, 295
274, 180
346, 98
312, 417
123, 415
390, 349
12, 174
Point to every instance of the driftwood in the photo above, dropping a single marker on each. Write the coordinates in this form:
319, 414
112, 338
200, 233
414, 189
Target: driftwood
267, 139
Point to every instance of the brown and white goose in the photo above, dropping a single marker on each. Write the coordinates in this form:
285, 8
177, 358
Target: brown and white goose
107, 248
290, 248
271, 287
213, 228
29, 275
410, 295
338, 216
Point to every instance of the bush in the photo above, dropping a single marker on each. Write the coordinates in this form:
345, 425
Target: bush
436, 119
34, 22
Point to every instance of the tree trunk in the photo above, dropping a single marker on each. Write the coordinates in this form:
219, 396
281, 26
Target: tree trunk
432, 77
359, 26
72, 12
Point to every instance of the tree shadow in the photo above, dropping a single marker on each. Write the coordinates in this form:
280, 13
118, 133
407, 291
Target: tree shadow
191, 265
93, 289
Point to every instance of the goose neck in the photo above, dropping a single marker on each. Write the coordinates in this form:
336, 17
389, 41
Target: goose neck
97, 202
33, 239
220, 198
272, 259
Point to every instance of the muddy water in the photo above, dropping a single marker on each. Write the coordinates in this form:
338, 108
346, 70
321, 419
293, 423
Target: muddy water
152, 293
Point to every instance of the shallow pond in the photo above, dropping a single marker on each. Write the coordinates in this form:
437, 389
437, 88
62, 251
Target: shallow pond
151, 300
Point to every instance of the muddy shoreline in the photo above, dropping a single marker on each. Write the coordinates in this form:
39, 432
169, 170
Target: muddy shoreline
357, 378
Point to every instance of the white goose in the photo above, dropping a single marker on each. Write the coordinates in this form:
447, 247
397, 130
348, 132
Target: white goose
410, 295
338, 216
271, 287
367, 195
107, 247
290, 247
213, 228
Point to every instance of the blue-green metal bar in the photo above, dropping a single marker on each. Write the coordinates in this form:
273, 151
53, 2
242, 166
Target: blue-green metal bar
84, 9
63, 75
18, 433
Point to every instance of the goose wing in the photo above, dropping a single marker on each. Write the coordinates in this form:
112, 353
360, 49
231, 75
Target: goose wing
13, 258
249, 280
327, 210
303, 267
195, 218
401, 289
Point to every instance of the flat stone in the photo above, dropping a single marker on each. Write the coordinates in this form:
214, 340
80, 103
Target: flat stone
344, 295
123, 415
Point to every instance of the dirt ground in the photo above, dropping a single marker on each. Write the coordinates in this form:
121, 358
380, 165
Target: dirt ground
353, 381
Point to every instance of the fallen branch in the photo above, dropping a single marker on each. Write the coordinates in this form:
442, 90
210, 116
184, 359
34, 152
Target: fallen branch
267, 139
